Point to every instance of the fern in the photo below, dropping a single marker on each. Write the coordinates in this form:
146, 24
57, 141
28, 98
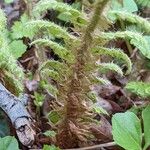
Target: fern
45, 73
115, 53
56, 66
57, 48
101, 81
131, 18
12, 73
74, 73
139, 88
135, 39
51, 28
104, 67
72, 14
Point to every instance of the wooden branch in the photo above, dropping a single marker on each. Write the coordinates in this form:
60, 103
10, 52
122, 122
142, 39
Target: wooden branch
20, 118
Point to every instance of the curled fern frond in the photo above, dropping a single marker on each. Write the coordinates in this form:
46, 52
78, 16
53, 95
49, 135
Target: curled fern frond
139, 88
104, 67
50, 27
131, 18
72, 14
115, 53
57, 48
135, 39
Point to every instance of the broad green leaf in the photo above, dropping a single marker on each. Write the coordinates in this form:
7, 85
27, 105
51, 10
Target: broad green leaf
146, 123
125, 5
8, 143
17, 48
139, 88
130, 5
127, 130
18, 29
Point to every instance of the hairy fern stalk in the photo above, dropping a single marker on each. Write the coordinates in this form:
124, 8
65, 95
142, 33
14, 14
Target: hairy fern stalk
79, 62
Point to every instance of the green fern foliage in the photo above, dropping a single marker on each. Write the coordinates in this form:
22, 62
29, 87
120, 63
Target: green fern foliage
131, 18
105, 67
100, 81
139, 88
77, 56
135, 39
57, 48
115, 53
49, 27
72, 14
13, 74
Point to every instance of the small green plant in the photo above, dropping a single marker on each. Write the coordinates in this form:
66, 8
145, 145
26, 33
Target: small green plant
79, 60
139, 88
74, 73
8, 143
127, 130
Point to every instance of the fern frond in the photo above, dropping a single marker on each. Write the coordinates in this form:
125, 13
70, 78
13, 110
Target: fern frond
12, 82
13, 74
104, 67
57, 48
135, 39
45, 73
131, 18
72, 14
99, 80
52, 64
115, 53
139, 88
50, 27
9, 64
57, 66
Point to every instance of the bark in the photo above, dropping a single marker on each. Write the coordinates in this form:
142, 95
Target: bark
20, 118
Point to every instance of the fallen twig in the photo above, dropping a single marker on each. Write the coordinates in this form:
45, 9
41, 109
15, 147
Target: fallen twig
20, 118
